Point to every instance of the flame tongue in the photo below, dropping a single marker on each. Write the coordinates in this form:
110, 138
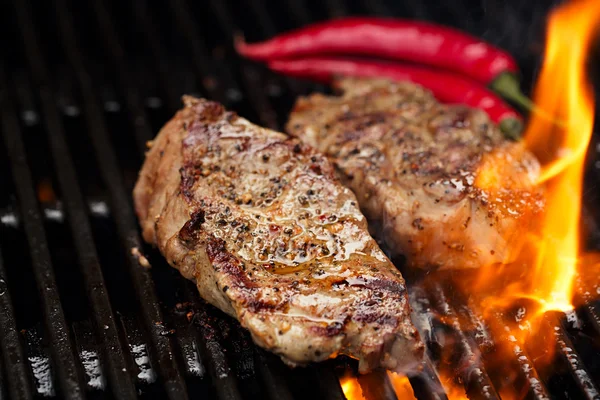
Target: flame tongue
563, 91
351, 388
538, 275
542, 263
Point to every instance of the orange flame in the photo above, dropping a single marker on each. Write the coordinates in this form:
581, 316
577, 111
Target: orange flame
541, 268
454, 391
544, 267
351, 388
563, 90
402, 386
544, 264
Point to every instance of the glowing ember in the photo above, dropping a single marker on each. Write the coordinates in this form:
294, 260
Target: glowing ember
351, 388
45, 192
402, 386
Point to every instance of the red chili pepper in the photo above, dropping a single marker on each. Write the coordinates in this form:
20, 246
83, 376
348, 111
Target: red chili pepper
415, 41
446, 86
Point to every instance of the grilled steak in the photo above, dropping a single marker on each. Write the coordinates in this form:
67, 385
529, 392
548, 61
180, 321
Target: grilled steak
441, 181
270, 237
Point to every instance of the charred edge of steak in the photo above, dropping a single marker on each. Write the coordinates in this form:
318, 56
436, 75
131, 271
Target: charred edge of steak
372, 313
387, 285
190, 231
331, 330
227, 263
206, 110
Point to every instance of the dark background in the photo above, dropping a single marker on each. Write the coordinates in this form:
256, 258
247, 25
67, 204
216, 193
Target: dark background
119, 68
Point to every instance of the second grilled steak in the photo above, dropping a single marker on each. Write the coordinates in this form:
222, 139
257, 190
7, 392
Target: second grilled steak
258, 220
448, 190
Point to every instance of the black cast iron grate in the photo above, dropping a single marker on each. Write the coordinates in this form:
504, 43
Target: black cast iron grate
83, 87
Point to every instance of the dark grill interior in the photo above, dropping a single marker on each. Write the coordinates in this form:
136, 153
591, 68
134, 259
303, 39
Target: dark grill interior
83, 87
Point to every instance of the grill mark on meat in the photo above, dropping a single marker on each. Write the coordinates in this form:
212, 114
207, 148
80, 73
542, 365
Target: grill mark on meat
378, 284
225, 262
187, 182
261, 306
369, 314
260, 222
414, 165
190, 231
331, 330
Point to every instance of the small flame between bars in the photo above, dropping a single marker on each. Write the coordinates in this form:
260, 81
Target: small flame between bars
351, 388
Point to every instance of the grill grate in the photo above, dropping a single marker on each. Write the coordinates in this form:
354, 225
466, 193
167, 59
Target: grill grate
83, 87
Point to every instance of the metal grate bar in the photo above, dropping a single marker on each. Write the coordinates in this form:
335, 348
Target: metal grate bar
13, 356
90, 355
212, 351
123, 215
566, 352
268, 29
486, 343
187, 340
138, 347
200, 55
141, 127
590, 306
42, 368
593, 315
229, 391
210, 348
143, 18
268, 368
526, 364
68, 374
219, 8
426, 385
106, 329
76, 209
266, 113
256, 95
477, 382
569, 356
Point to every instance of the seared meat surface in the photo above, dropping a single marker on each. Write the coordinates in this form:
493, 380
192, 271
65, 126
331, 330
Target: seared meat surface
258, 220
441, 181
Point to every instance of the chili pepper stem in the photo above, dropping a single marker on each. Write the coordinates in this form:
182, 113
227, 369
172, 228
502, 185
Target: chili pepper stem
507, 85
512, 128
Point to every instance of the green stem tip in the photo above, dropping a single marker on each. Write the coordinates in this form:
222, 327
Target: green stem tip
511, 128
507, 86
